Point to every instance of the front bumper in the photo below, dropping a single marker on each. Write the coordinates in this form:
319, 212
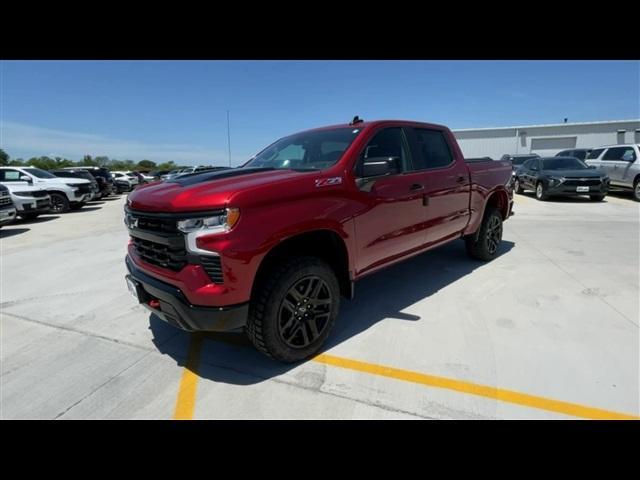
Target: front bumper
571, 190
7, 215
172, 306
32, 205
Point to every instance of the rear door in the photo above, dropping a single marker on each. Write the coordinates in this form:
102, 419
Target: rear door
619, 160
391, 222
447, 184
594, 159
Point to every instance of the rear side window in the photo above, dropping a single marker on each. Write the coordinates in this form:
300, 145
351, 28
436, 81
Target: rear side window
620, 153
434, 149
595, 153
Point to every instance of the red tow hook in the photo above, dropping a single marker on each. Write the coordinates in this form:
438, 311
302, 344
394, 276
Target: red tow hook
154, 304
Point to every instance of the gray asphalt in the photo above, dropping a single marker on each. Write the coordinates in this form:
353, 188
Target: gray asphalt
556, 316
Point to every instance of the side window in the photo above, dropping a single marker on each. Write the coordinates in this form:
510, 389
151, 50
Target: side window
434, 150
620, 153
388, 143
595, 153
527, 165
9, 175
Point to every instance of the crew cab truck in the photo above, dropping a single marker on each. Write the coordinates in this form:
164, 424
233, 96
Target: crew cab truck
271, 247
65, 193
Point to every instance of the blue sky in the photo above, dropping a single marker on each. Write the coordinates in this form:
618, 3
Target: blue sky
176, 110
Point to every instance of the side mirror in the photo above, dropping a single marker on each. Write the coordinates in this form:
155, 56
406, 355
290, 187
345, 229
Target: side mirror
592, 167
379, 166
26, 178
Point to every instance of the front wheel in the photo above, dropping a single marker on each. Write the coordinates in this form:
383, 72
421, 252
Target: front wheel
294, 309
517, 187
541, 192
485, 246
59, 203
636, 190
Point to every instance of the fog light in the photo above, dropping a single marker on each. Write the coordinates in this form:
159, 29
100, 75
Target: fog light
154, 304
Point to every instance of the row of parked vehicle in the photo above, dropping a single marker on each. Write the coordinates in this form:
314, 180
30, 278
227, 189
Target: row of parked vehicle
28, 192
581, 171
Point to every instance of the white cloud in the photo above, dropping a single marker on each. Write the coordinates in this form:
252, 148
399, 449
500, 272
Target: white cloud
74, 145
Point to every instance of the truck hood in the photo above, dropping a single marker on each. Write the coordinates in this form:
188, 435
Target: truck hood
23, 187
205, 191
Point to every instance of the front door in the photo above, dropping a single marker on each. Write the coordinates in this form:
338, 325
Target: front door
391, 222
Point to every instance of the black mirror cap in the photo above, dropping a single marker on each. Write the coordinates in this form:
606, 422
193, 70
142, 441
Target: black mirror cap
379, 166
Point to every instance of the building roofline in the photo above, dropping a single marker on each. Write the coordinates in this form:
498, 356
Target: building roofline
543, 125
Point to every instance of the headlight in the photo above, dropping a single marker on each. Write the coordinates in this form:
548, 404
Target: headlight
555, 181
605, 179
23, 194
218, 223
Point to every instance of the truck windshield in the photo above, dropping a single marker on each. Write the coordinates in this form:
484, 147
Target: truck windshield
313, 150
36, 172
563, 163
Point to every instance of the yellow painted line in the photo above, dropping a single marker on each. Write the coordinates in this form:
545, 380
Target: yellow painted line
186, 402
503, 395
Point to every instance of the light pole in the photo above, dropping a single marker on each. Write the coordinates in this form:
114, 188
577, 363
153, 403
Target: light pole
229, 138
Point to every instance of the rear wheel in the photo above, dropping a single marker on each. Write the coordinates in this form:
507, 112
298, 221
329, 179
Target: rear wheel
596, 198
517, 186
294, 309
485, 246
59, 203
541, 192
636, 190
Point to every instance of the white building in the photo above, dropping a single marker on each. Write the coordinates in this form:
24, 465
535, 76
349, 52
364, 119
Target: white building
545, 140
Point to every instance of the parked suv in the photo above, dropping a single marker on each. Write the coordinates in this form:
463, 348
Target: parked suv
561, 176
579, 153
78, 173
102, 176
621, 163
7, 209
65, 193
30, 201
272, 246
128, 177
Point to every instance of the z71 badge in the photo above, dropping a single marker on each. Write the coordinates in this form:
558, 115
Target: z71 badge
325, 182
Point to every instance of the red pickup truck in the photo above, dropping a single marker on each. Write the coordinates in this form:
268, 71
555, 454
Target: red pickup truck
270, 247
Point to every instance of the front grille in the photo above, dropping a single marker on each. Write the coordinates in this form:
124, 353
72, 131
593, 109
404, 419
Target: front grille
40, 193
5, 200
85, 188
42, 203
575, 182
213, 266
160, 255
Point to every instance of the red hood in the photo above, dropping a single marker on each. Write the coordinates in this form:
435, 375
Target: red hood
212, 190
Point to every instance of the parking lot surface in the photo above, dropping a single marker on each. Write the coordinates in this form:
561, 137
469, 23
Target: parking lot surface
549, 329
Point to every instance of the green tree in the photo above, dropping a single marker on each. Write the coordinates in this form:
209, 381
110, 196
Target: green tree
146, 165
88, 161
4, 157
45, 163
167, 166
18, 162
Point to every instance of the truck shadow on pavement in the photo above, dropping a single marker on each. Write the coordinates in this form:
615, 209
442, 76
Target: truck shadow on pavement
230, 357
10, 232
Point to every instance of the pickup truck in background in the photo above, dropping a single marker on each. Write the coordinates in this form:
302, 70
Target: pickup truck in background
272, 246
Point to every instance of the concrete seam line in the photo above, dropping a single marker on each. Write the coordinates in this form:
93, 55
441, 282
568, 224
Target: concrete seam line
186, 401
503, 395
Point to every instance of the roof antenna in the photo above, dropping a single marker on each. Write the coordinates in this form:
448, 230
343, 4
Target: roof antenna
355, 120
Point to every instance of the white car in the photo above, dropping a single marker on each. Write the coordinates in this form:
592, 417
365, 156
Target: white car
128, 176
7, 209
65, 193
29, 201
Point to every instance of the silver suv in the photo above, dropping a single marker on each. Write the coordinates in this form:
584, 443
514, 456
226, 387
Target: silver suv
621, 163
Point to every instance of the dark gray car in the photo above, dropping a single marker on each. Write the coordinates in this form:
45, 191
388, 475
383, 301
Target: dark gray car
561, 176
